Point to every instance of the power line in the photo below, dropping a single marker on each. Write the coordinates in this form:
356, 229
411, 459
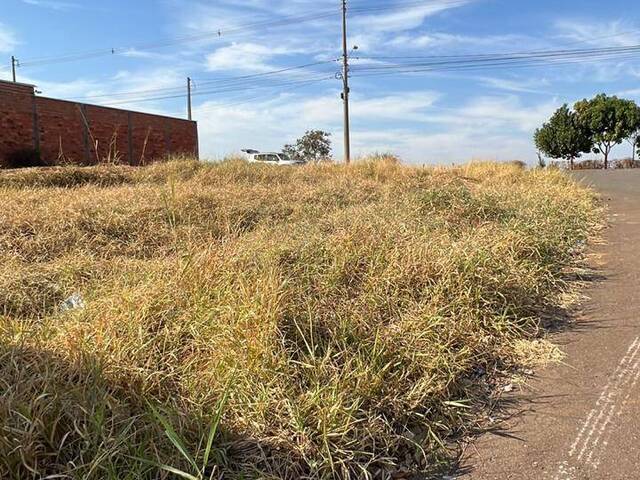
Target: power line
237, 80
246, 100
481, 56
283, 21
243, 100
506, 59
421, 63
272, 72
211, 92
435, 64
383, 57
476, 68
430, 64
226, 32
408, 69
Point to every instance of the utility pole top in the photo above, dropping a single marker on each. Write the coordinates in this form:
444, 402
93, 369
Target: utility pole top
189, 110
14, 64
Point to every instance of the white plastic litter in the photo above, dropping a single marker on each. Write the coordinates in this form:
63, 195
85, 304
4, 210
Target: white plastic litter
74, 302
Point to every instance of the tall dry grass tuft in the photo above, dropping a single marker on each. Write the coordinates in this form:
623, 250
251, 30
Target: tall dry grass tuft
246, 321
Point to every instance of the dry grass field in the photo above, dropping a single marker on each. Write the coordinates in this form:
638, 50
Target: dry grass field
248, 321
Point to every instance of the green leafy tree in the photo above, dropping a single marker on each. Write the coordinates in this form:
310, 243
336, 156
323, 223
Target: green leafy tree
290, 151
313, 146
634, 138
563, 136
611, 121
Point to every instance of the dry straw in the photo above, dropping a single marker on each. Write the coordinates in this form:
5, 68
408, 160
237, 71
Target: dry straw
247, 321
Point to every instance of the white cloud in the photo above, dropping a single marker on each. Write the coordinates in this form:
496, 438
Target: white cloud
459, 145
441, 39
490, 115
613, 33
150, 84
408, 106
133, 52
406, 18
528, 85
634, 92
246, 57
413, 125
492, 128
8, 40
142, 83
506, 113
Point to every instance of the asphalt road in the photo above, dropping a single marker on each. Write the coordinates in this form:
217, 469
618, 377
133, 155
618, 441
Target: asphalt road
581, 419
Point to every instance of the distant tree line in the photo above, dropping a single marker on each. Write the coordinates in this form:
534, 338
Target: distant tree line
592, 126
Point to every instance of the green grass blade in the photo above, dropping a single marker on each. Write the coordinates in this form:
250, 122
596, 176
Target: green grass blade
174, 437
168, 468
215, 422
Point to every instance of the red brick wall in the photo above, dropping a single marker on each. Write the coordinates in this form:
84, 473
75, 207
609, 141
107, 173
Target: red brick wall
61, 132
16, 118
109, 133
87, 134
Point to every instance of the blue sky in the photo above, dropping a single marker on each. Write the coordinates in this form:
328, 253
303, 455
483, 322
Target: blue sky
426, 117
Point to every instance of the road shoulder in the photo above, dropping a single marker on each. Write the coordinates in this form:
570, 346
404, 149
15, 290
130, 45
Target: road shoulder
579, 419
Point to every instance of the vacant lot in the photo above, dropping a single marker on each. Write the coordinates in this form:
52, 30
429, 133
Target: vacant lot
261, 322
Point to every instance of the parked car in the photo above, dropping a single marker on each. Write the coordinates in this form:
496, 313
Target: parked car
272, 158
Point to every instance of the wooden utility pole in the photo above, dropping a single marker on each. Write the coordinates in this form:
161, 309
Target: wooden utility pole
345, 85
189, 112
14, 63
